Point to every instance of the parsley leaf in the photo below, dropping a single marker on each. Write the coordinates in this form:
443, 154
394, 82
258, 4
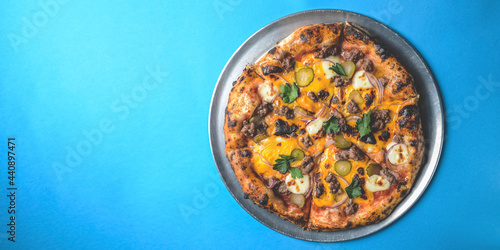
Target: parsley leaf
296, 172
337, 68
289, 92
353, 190
363, 124
331, 126
283, 164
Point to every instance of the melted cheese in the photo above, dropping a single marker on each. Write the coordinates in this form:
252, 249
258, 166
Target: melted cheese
399, 154
299, 185
267, 91
360, 81
315, 126
270, 149
377, 183
326, 66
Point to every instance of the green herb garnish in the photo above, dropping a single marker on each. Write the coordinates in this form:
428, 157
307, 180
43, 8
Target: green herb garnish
331, 126
353, 190
363, 124
283, 165
337, 68
289, 92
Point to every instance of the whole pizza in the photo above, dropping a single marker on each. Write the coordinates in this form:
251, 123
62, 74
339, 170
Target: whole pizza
324, 129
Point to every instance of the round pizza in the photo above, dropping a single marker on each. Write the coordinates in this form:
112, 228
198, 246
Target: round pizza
324, 129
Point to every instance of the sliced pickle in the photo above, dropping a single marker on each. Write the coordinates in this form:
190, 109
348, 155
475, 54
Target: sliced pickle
260, 137
304, 76
341, 142
342, 167
373, 169
349, 68
255, 119
356, 97
297, 154
298, 199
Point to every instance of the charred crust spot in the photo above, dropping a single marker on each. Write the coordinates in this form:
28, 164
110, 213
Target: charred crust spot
245, 195
413, 143
234, 83
361, 171
349, 224
232, 123
390, 200
385, 135
303, 38
404, 192
246, 153
242, 167
231, 156
319, 190
401, 184
302, 131
410, 117
266, 70
272, 51
381, 52
263, 201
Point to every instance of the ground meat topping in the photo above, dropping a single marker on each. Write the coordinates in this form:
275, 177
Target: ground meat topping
379, 118
361, 171
368, 99
388, 176
367, 65
286, 112
351, 207
356, 154
263, 109
306, 140
322, 94
288, 62
397, 139
334, 184
302, 131
326, 52
352, 55
342, 155
254, 128
319, 190
335, 100
352, 107
283, 188
312, 96
340, 118
307, 164
282, 128
384, 81
339, 81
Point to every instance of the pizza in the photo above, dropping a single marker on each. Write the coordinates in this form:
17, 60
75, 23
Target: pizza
324, 129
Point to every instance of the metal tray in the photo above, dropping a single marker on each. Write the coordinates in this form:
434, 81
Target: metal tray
431, 107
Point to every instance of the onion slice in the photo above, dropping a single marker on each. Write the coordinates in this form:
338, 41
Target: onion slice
273, 182
389, 164
344, 194
329, 142
302, 112
282, 78
320, 112
377, 84
264, 159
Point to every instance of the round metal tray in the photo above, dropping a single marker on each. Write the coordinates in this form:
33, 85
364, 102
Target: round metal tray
431, 107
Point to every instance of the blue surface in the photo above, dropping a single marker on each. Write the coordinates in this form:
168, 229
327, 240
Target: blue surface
109, 104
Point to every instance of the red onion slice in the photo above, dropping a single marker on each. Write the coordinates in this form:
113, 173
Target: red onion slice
302, 112
320, 112
264, 159
377, 84
317, 154
273, 182
282, 78
338, 203
329, 142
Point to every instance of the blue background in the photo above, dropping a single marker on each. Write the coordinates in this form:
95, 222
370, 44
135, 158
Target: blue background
145, 177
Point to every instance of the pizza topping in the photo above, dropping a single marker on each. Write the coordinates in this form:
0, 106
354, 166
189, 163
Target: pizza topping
385, 135
352, 55
270, 69
355, 96
377, 84
315, 126
341, 142
298, 199
319, 190
332, 126
363, 124
335, 100
323, 94
342, 167
297, 185
397, 153
300, 111
373, 169
288, 62
283, 129
334, 184
368, 99
289, 92
337, 68
369, 138
326, 52
360, 80
307, 164
367, 65
352, 107
283, 189
351, 207
354, 190
304, 76
312, 96
297, 154
267, 91
286, 112
263, 109
250, 129
379, 118
326, 63
340, 81
377, 183
306, 141
388, 175
260, 137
